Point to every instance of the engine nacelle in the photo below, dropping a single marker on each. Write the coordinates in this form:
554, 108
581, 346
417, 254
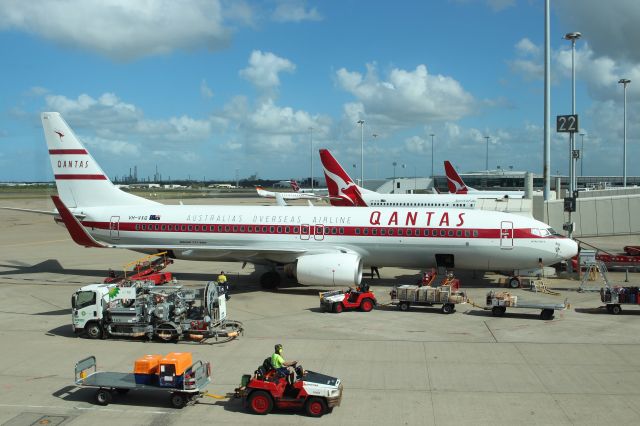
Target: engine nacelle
329, 269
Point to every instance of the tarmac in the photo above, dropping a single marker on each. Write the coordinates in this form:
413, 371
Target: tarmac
416, 368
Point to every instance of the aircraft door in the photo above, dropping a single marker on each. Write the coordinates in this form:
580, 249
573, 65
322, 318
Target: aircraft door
305, 232
114, 227
506, 235
319, 233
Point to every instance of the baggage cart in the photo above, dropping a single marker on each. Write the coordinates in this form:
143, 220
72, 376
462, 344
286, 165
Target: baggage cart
405, 296
498, 302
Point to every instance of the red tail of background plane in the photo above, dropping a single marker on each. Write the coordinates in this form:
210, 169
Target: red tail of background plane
454, 181
342, 190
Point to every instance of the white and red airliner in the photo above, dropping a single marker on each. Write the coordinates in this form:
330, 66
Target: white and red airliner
326, 245
287, 195
343, 191
317, 191
457, 186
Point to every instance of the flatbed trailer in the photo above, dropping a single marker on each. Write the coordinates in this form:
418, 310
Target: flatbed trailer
616, 297
107, 383
405, 296
498, 302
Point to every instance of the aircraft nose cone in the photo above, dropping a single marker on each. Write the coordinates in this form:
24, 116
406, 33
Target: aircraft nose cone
568, 248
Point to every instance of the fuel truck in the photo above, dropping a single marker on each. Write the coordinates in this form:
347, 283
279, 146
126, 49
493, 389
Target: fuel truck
143, 310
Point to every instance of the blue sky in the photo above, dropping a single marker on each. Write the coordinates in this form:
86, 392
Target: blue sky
201, 88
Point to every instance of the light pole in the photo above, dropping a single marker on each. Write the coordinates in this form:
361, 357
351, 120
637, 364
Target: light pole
375, 135
487, 157
361, 123
582, 155
311, 152
624, 82
572, 160
432, 135
393, 191
546, 164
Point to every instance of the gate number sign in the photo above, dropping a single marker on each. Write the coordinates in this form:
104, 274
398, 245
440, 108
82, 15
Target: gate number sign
567, 123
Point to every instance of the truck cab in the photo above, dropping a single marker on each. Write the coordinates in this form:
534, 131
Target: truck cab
89, 303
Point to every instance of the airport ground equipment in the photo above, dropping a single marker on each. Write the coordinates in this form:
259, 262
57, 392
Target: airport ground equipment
173, 374
316, 393
169, 313
498, 302
147, 268
338, 300
615, 297
448, 296
629, 259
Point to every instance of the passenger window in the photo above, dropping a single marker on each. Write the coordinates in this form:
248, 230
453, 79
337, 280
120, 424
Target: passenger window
390, 231
296, 229
383, 232
286, 230
409, 232
459, 233
334, 230
279, 229
271, 229
197, 228
443, 233
227, 228
467, 233
374, 231
264, 229
164, 227
434, 233
451, 233
357, 231
250, 229
475, 233
366, 231
137, 227
341, 231
190, 228
399, 231
235, 229
184, 228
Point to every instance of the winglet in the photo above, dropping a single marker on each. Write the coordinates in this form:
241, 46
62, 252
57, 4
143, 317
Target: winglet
76, 230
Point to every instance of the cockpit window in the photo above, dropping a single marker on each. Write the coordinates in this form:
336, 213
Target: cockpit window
552, 231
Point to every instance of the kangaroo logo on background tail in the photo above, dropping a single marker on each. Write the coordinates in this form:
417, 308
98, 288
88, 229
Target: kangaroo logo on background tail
59, 133
295, 186
454, 181
342, 190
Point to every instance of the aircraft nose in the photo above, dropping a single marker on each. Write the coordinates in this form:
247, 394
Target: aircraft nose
568, 248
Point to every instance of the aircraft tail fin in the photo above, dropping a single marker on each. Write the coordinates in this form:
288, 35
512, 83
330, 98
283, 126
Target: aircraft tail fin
79, 179
342, 190
294, 186
454, 181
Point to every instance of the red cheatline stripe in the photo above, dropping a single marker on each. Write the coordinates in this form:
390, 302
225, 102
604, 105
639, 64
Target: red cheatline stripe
67, 151
80, 177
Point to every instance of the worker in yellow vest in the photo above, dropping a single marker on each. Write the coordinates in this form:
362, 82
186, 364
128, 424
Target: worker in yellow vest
222, 281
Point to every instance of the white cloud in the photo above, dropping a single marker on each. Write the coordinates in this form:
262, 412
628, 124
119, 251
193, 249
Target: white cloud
295, 11
205, 90
406, 97
115, 120
121, 29
264, 68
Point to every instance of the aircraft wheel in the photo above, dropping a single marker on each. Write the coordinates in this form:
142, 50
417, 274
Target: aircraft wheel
315, 407
270, 280
514, 282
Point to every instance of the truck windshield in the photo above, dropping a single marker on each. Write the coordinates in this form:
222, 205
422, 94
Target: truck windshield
84, 298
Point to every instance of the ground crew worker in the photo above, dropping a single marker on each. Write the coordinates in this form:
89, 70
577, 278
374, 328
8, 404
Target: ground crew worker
283, 367
222, 281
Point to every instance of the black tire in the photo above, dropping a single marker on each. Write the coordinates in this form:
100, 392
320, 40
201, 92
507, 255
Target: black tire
546, 314
178, 400
103, 396
616, 309
270, 280
447, 308
514, 282
260, 402
338, 308
93, 330
498, 311
166, 332
366, 305
404, 306
315, 407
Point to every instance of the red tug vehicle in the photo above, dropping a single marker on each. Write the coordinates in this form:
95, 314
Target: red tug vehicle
267, 388
338, 300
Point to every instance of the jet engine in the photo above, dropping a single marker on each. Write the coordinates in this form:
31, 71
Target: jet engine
329, 269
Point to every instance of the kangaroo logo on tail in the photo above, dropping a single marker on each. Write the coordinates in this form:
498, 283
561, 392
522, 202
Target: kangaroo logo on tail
454, 181
342, 190
59, 133
295, 186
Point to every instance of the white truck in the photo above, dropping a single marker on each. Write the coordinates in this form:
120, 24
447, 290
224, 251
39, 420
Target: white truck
143, 310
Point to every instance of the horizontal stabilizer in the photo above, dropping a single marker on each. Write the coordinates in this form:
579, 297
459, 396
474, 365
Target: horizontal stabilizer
75, 228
